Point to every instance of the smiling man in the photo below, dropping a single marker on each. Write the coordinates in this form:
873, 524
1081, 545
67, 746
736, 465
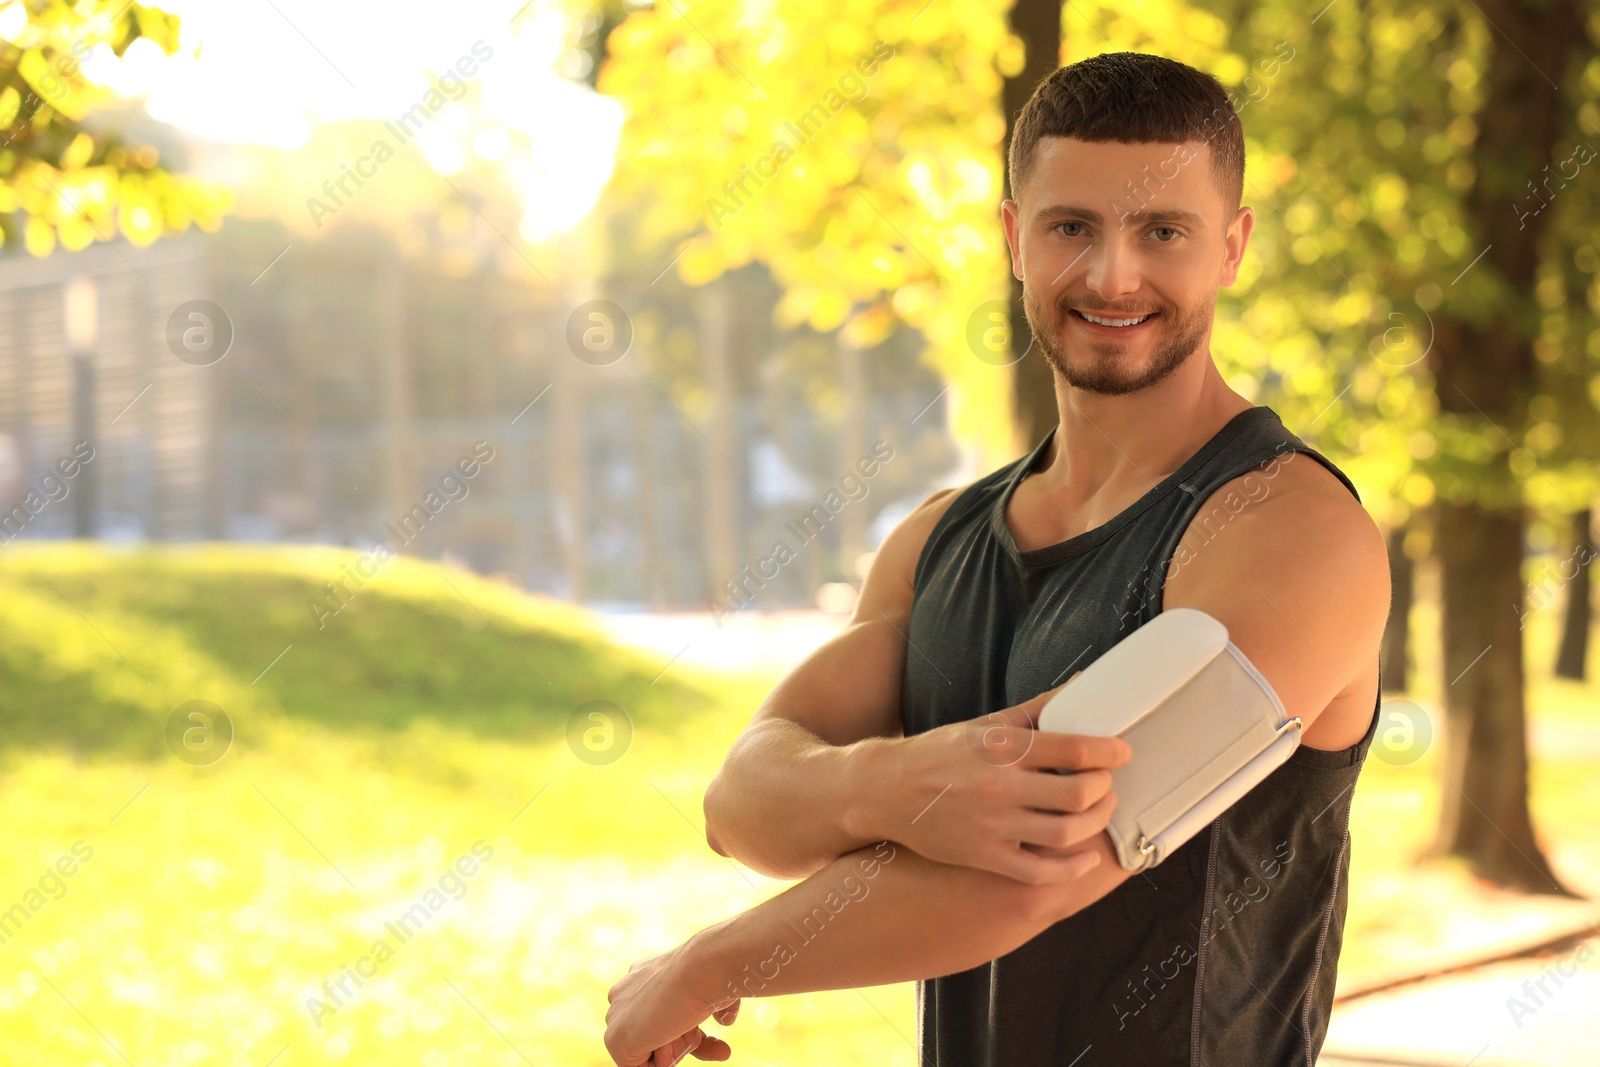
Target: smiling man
895, 771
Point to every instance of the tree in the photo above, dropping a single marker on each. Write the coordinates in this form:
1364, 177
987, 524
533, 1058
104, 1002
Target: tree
1572, 656
1396, 670
1486, 376
1404, 141
60, 180
1037, 24
855, 152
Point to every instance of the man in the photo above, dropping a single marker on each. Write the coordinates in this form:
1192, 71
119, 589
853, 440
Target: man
931, 846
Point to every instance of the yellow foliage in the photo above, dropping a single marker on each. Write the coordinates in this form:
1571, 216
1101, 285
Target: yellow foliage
885, 209
72, 186
885, 198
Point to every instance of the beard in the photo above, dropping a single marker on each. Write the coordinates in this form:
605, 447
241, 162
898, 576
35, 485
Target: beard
1108, 366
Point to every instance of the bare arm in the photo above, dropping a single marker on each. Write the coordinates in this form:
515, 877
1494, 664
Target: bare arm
877, 915
884, 914
791, 795
823, 769
1302, 584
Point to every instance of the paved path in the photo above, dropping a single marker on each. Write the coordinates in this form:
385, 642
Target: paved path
1536, 1012
744, 640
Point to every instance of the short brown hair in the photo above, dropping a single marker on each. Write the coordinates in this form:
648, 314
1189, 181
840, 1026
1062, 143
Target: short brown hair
1133, 97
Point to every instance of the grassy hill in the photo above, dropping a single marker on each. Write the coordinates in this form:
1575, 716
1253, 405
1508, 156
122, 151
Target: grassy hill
102, 645
426, 720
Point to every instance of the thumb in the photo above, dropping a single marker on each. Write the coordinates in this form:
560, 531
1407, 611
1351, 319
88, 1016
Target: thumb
1048, 693
1032, 707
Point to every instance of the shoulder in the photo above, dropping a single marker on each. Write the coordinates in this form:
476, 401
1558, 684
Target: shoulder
903, 544
1283, 507
1299, 574
889, 585
1303, 503
1291, 526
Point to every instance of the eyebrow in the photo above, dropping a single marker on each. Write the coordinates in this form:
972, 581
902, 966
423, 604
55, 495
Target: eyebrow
1138, 215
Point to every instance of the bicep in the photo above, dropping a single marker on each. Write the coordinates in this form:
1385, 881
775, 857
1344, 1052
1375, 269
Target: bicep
1302, 584
848, 689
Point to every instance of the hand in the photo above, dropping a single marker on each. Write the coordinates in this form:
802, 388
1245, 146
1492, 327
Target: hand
654, 1019
979, 793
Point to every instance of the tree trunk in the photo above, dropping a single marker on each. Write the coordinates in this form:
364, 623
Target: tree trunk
852, 446
721, 530
1484, 810
1571, 660
1033, 389
1397, 632
1485, 373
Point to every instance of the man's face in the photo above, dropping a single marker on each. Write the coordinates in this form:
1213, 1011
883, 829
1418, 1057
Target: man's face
1081, 245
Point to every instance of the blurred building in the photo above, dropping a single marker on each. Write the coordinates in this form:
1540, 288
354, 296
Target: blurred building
328, 386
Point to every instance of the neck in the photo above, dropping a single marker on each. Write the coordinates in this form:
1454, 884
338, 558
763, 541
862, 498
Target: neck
1104, 443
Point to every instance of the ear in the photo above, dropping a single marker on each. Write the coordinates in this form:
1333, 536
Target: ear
1010, 214
1237, 237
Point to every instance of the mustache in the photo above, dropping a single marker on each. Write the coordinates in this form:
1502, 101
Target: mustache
1065, 306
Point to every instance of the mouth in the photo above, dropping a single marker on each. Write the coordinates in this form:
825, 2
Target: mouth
1112, 324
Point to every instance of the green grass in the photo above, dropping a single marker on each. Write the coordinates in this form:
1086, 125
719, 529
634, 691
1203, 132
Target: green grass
100, 647
423, 718
430, 714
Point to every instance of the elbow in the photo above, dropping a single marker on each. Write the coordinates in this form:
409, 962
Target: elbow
724, 838
724, 835
714, 844
713, 815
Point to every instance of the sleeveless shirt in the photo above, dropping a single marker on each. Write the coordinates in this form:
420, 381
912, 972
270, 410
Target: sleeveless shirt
1225, 954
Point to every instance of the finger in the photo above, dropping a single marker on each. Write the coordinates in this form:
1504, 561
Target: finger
1075, 752
713, 1048
1071, 794
1075, 863
1025, 865
1066, 831
1027, 713
725, 1016
677, 1048
998, 740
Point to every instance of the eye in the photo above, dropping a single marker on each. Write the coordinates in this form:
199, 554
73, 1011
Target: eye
1175, 233
1057, 227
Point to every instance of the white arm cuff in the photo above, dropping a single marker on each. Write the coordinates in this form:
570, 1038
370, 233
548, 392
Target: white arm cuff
1205, 727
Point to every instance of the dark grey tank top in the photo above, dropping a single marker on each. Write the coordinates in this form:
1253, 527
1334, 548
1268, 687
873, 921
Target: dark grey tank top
1225, 954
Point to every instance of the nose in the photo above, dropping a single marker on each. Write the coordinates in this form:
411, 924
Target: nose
1113, 272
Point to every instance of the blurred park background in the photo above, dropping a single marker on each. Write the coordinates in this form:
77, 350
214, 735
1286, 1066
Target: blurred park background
525, 293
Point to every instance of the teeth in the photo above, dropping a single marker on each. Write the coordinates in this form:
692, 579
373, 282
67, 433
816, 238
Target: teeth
1113, 322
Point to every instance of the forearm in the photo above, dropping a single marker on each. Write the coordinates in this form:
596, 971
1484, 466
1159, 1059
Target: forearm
786, 803
878, 915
